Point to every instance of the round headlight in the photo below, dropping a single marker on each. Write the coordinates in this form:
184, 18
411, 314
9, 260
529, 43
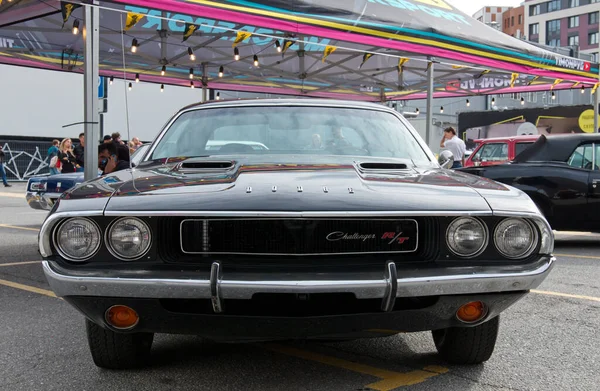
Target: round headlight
77, 239
466, 237
129, 238
515, 238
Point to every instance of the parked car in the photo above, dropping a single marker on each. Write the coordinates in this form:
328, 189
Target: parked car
561, 174
498, 150
363, 230
43, 190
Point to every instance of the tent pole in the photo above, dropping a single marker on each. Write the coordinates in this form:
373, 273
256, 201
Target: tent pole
204, 82
429, 102
91, 42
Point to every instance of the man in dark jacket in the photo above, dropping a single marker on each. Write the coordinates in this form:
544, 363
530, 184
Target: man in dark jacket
80, 152
2, 171
109, 158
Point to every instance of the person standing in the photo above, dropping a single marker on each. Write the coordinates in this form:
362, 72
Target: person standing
2, 170
454, 144
52, 152
67, 158
79, 151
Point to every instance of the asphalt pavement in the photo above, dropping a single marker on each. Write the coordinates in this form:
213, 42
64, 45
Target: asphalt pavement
548, 341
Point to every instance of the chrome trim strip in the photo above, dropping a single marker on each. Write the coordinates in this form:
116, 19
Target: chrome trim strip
205, 226
41, 200
391, 278
306, 214
46, 230
413, 283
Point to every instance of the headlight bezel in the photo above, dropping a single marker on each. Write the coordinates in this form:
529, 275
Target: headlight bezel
109, 245
485, 231
535, 242
61, 251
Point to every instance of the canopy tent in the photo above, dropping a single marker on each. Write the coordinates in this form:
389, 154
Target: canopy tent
355, 49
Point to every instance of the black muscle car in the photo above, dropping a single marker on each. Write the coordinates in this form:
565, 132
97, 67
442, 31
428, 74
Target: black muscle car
561, 174
342, 225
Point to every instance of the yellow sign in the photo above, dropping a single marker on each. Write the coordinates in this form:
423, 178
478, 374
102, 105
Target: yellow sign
586, 121
436, 3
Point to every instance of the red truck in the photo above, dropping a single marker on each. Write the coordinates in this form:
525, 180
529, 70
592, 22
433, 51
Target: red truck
498, 150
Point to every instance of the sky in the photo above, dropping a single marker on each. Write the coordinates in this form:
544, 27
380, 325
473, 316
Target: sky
469, 7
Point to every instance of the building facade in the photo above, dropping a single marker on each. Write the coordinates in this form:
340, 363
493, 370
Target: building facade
491, 15
513, 22
564, 23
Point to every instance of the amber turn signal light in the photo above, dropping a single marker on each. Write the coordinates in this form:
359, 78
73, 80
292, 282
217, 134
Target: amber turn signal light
121, 317
471, 312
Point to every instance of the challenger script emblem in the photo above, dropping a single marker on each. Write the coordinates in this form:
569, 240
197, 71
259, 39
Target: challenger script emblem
392, 236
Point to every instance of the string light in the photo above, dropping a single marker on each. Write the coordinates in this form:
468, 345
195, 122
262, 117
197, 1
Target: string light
417, 110
218, 95
582, 89
278, 46
468, 103
522, 101
236, 54
493, 101
191, 53
163, 70
129, 86
255, 60
134, 45
442, 109
76, 27
192, 84
112, 78
221, 70
191, 73
162, 87
137, 77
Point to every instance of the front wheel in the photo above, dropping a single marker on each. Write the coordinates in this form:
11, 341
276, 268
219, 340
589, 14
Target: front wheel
467, 345
113, 350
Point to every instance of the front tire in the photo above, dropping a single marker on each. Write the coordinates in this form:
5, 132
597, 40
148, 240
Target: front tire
113, 350
467, 345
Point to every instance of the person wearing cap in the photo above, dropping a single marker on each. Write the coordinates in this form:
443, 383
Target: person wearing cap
107, 139
454, 144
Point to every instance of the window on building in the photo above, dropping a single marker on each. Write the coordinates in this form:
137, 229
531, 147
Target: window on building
573, 3
553, 42
535, 10
534, 29
593, 38
553, 5
573, 22
595, 57
593, 18
594, 1
574, 40
512, 21
520, 19
553, 26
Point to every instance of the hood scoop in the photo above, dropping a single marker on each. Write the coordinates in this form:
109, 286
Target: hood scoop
381, 167
203, 166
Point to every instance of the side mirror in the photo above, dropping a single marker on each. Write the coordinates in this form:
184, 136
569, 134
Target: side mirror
446, 159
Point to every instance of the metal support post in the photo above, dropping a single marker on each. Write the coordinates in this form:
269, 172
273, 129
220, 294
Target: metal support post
204, 82
596, 104
91, 35
430, 75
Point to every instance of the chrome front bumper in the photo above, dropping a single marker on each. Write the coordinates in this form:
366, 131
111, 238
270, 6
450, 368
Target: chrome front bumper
42, 201
386, 285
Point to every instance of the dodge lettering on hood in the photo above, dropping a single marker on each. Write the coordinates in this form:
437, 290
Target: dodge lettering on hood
292, 218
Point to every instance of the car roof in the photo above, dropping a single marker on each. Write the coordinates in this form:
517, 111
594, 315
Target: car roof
530, 137
558, 147
289, 101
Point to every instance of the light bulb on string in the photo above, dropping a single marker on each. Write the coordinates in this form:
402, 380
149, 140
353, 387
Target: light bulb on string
236, 54
192, 84
162, 87
522, 101
191, 73
417, 110
493, 101
278, 46
163, 70
76, 27
255, 60
468, 103
110, 81
221, 70
218, 95
553, 95
137, 77
191, 53
130, 86
582, 89
134, 45
442, 109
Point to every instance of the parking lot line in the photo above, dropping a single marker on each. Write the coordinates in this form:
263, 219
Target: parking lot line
27, 288
566, 295
12, 195
577, 256
389, 379
18, 263
17, 227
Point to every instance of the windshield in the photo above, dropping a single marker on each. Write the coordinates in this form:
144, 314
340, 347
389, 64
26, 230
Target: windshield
288, 130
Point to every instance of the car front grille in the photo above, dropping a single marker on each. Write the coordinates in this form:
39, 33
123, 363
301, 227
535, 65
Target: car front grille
297, 241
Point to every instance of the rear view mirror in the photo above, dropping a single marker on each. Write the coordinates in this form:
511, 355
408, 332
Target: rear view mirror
446, 159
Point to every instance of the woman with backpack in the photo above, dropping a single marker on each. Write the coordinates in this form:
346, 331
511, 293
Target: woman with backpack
53, 161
